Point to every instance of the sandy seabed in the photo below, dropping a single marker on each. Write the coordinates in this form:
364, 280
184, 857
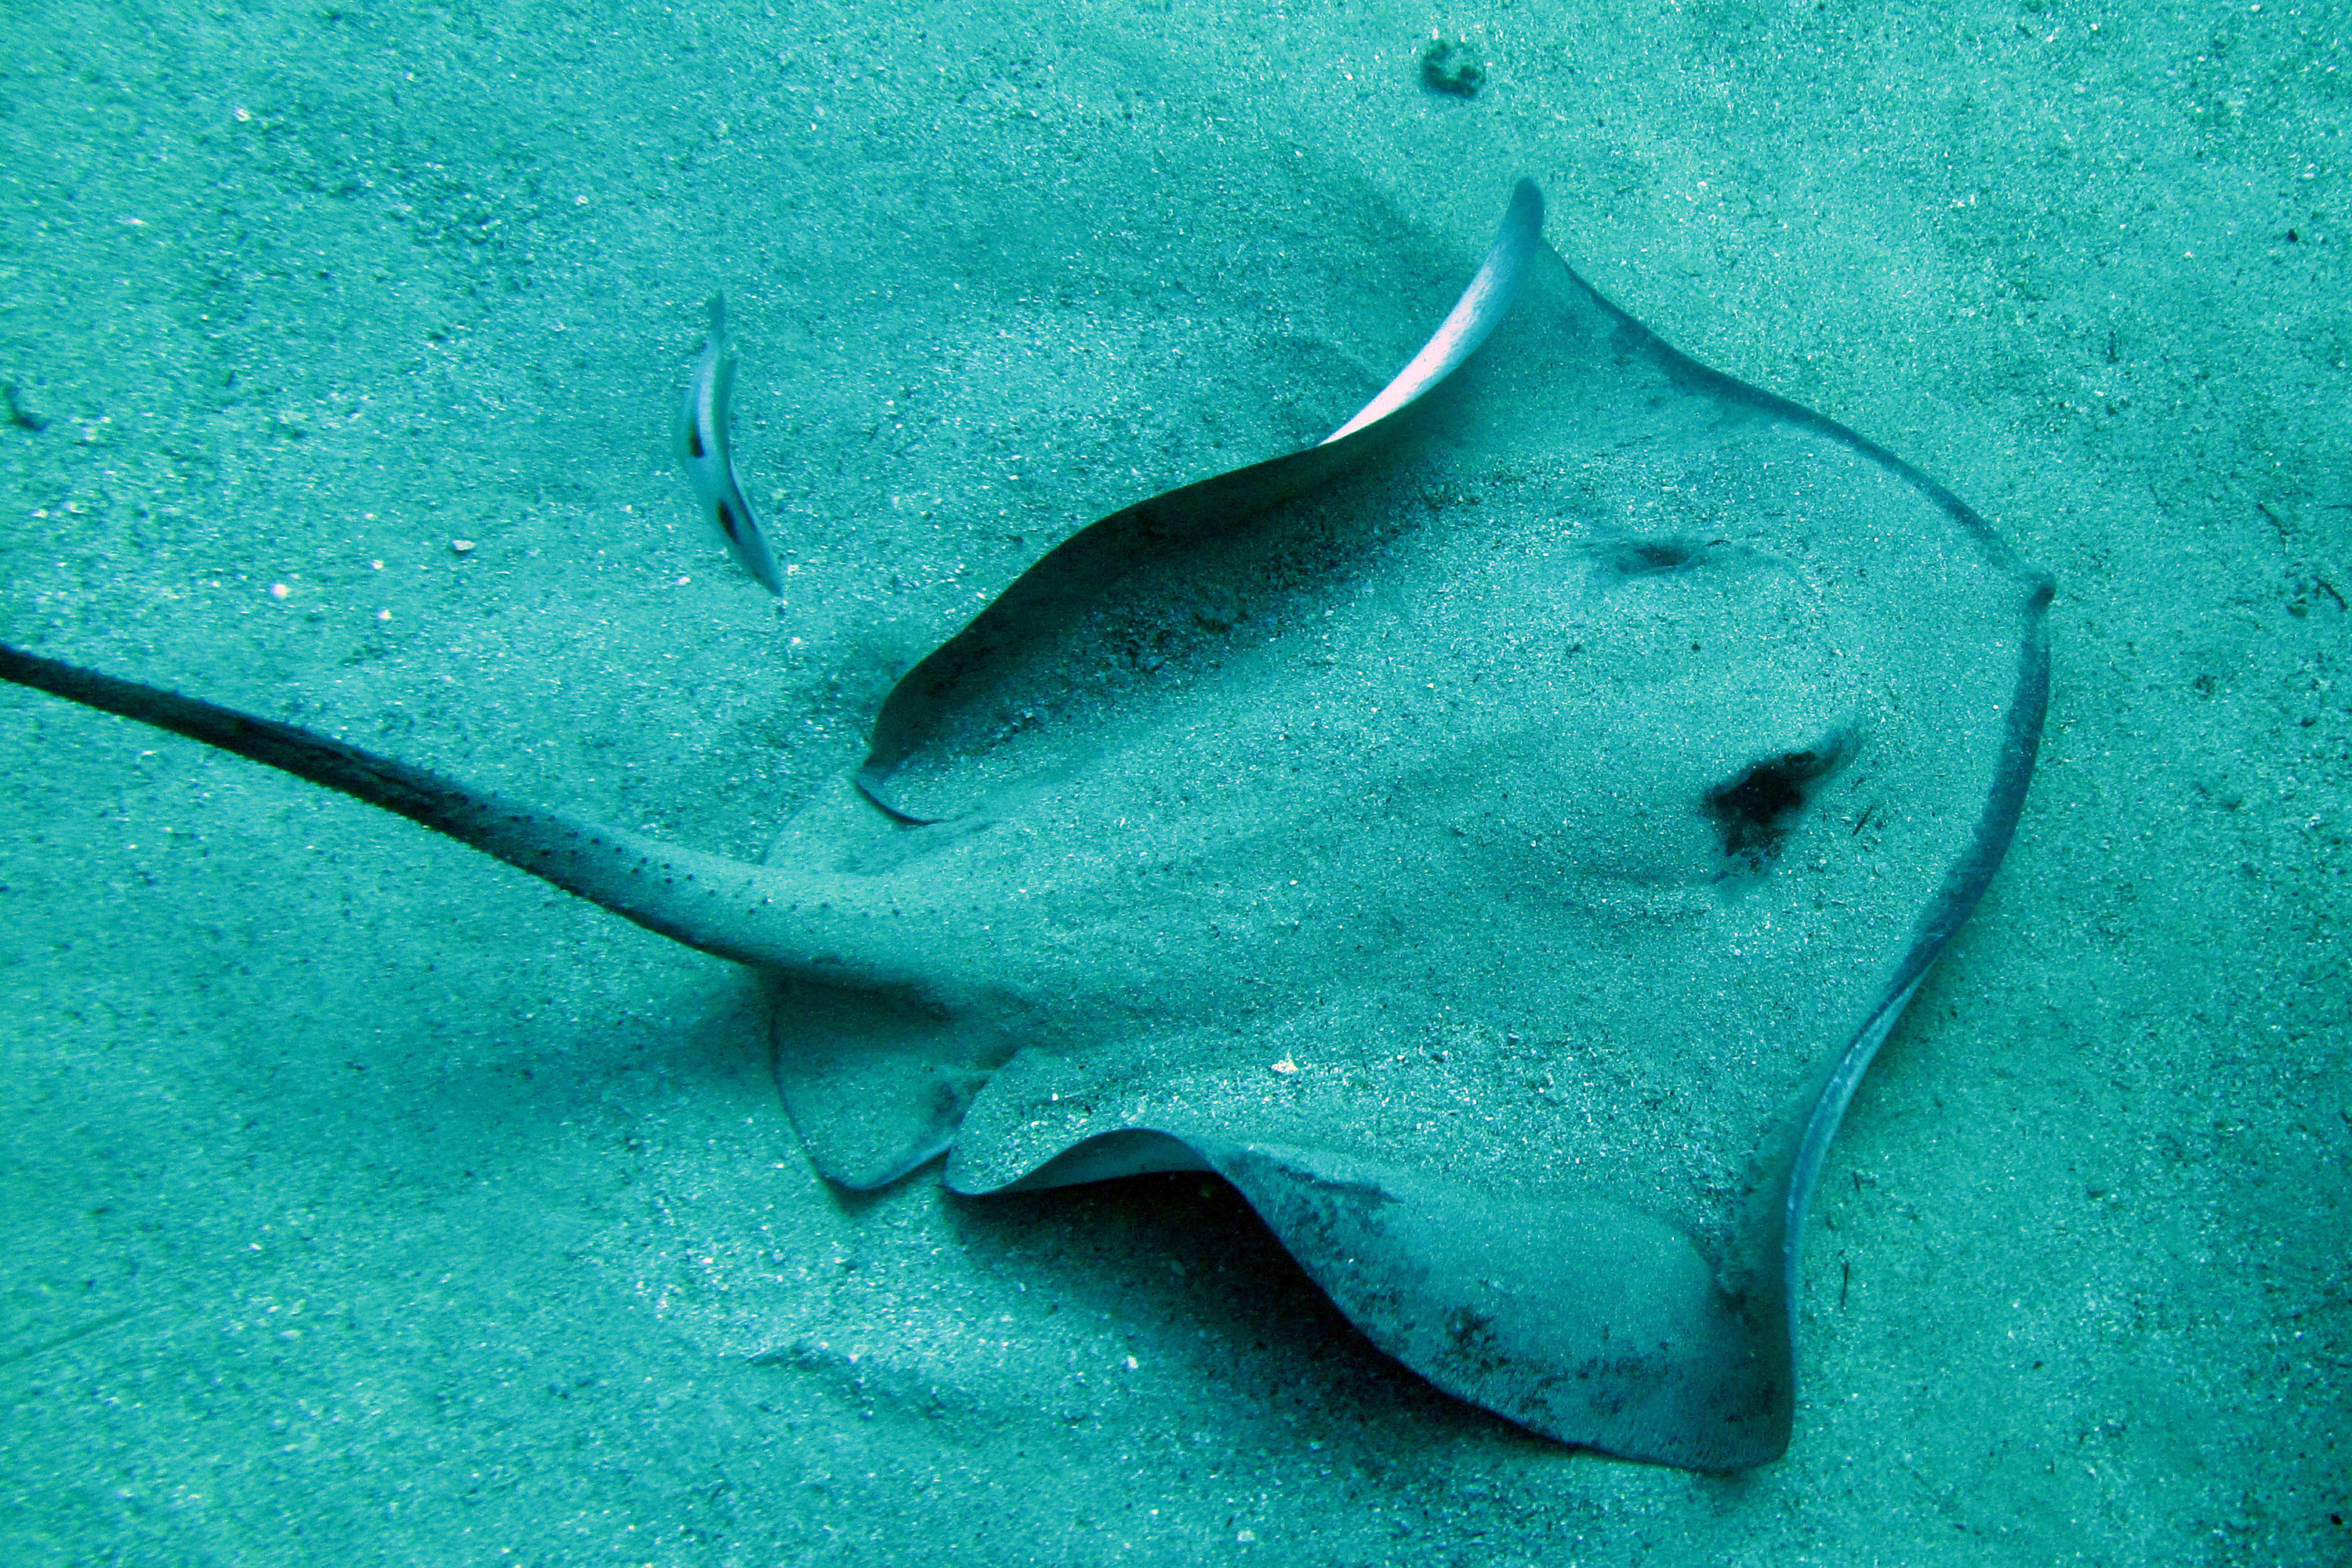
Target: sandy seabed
366, 1202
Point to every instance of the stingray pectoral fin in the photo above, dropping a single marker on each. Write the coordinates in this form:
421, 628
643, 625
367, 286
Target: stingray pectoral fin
1082, 571
1582, 1320
1474, 315
829, 928
1129, 1152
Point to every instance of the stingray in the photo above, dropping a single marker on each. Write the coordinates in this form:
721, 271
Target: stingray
1496, 840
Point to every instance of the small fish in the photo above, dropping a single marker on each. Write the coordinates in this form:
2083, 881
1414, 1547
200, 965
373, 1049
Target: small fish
710, 466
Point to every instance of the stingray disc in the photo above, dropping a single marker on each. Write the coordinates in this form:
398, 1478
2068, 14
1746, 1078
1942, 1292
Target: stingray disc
1499, 861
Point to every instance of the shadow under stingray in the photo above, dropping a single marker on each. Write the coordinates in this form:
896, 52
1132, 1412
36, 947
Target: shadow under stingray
1185, 1256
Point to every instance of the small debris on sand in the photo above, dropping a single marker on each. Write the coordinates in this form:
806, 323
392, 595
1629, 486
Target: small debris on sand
1448, 67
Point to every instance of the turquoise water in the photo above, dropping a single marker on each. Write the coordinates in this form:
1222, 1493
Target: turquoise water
365, 1201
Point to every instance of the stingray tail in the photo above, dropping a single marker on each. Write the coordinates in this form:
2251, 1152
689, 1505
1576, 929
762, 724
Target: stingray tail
816, 927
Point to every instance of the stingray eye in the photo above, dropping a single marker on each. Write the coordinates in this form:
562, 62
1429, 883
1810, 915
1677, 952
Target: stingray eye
1631, 558
1655, 557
